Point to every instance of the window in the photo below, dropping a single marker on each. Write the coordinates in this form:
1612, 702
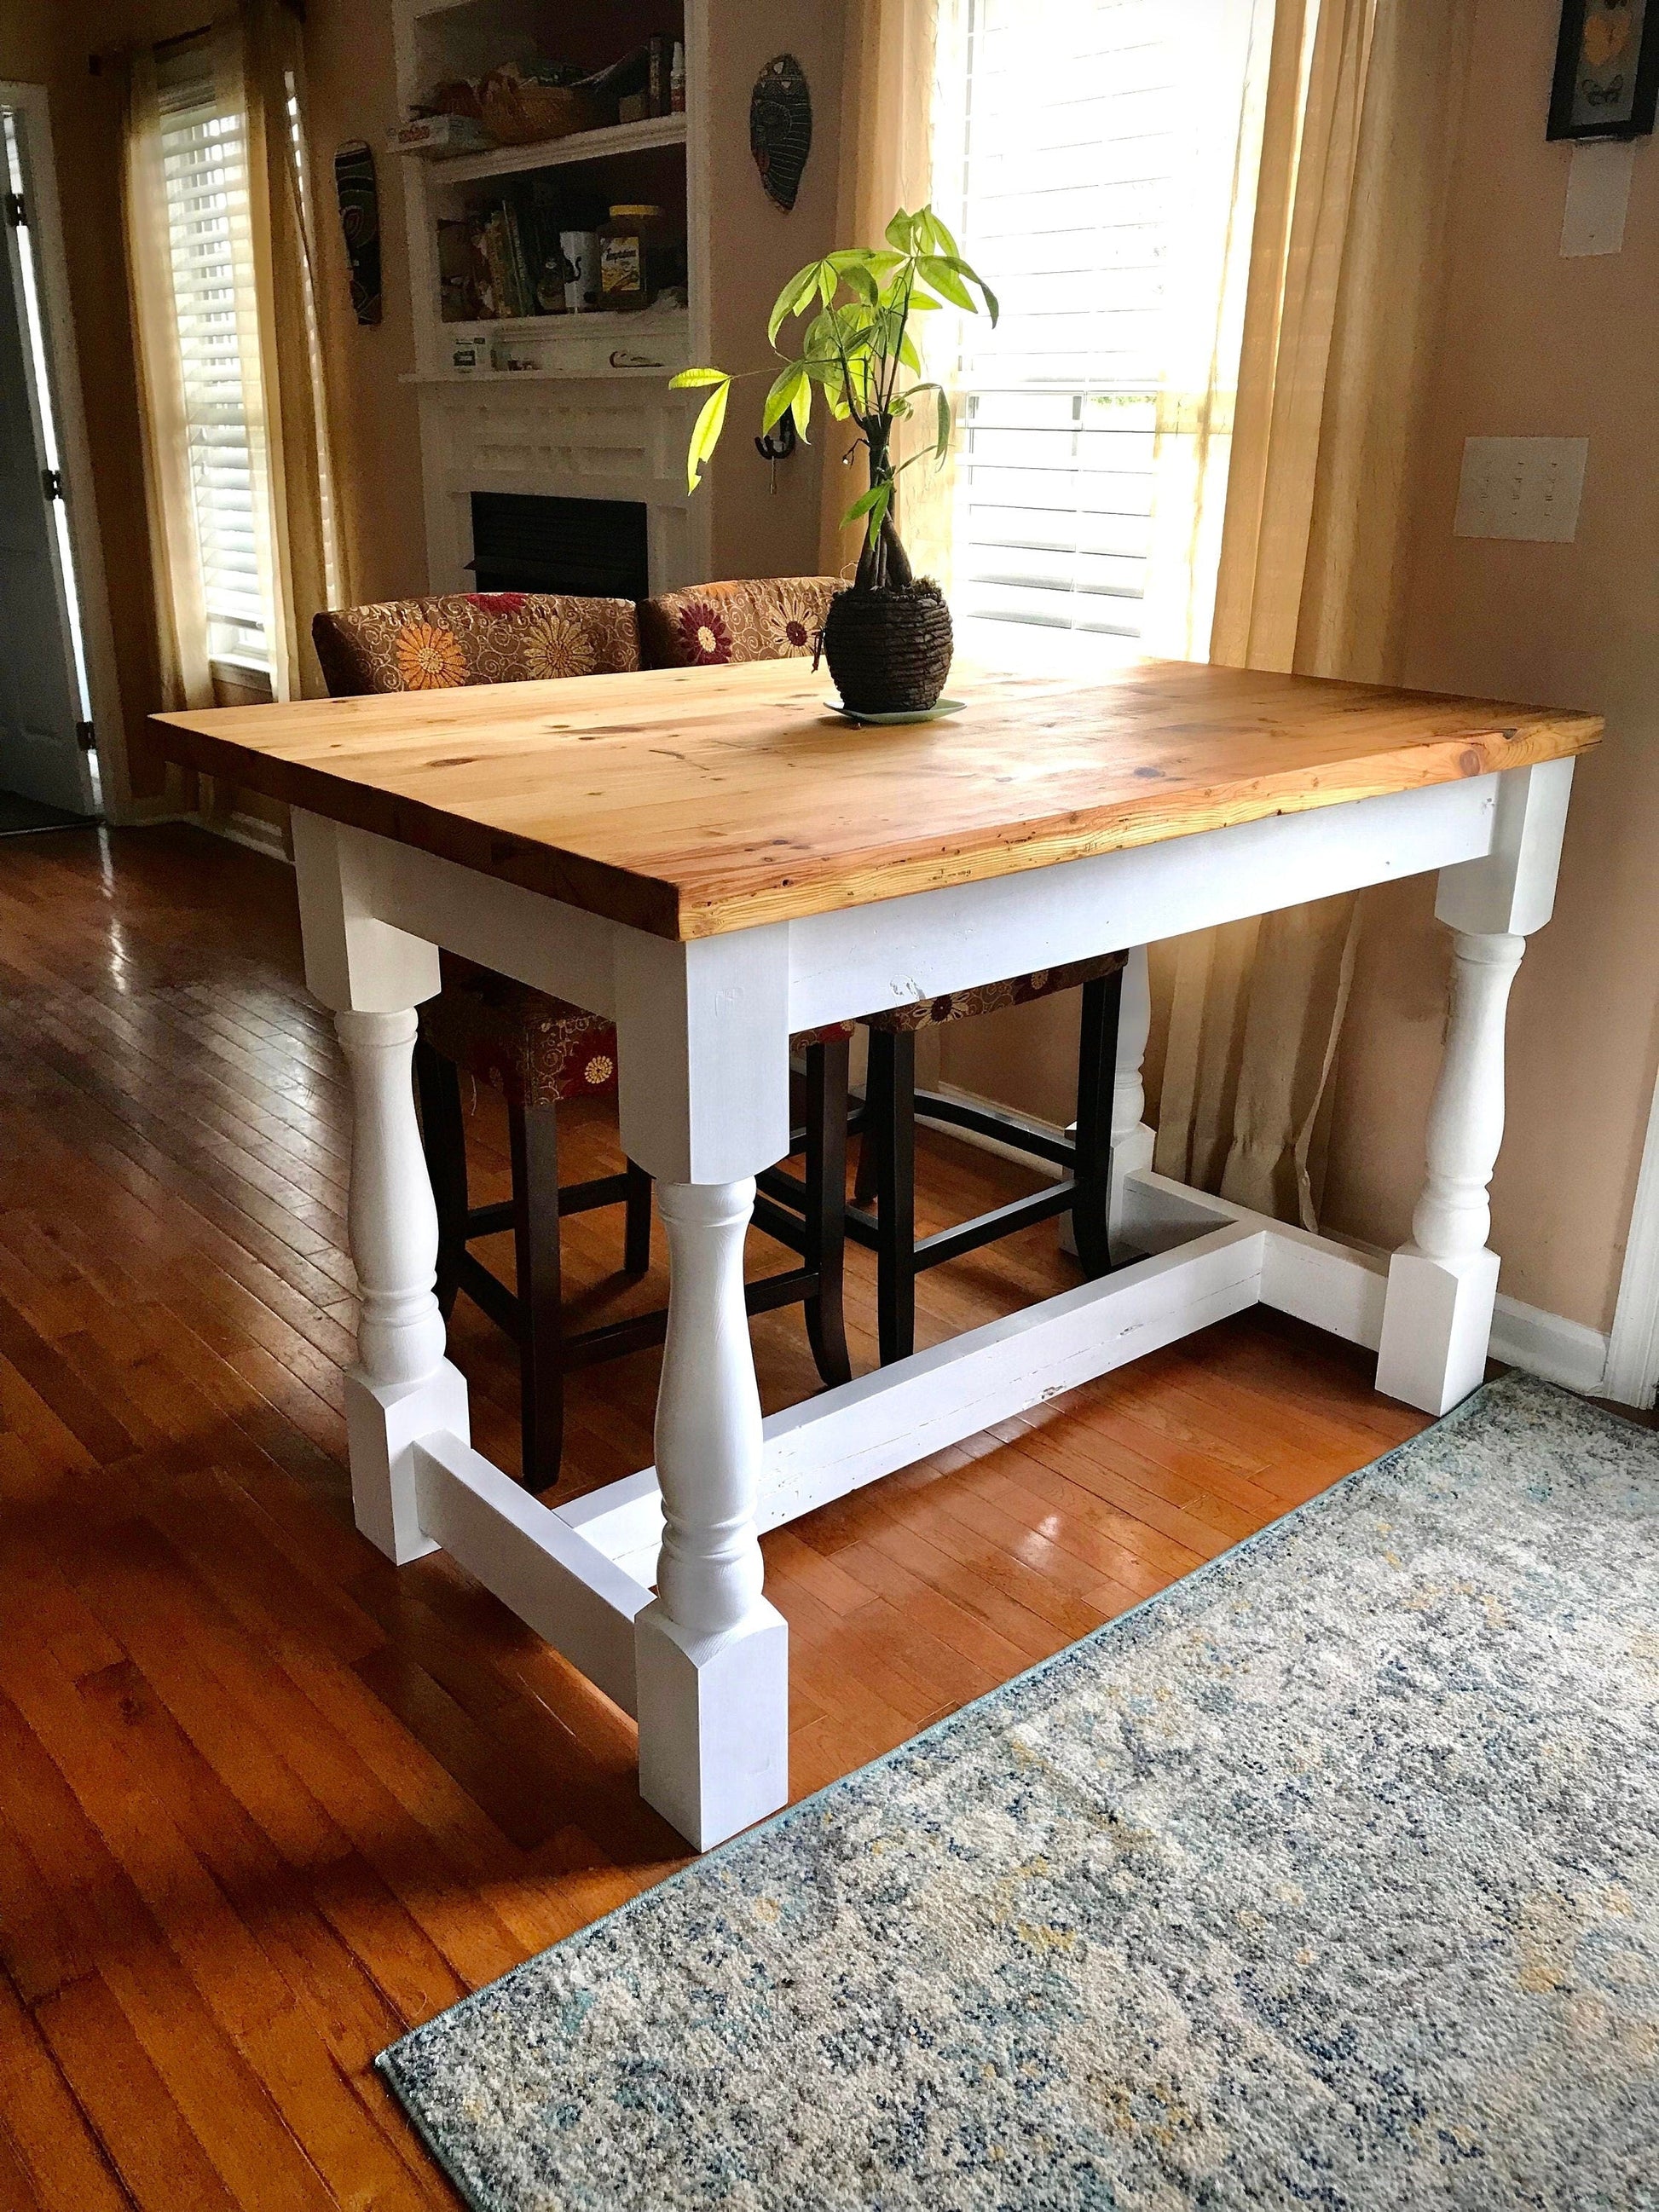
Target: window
205, 175
1102, 147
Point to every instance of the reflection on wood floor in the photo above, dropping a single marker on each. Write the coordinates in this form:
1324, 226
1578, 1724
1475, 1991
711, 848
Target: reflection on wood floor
265, 1800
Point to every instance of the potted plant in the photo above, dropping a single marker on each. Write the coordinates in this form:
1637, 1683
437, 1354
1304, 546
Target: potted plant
888, 638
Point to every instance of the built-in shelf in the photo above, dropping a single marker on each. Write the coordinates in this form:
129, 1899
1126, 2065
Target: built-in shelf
641, 325
557, 152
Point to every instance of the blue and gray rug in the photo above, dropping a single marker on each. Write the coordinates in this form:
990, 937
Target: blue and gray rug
1330, 1877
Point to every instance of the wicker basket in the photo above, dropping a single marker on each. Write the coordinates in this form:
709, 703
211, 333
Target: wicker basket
889, 651
518, 112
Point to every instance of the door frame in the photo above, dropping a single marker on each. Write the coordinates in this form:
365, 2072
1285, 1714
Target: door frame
1632, 1370
46, 228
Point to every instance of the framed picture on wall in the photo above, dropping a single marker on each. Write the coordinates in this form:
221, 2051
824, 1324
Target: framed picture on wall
1606, 70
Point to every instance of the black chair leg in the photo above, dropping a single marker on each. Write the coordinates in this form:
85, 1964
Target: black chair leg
535, 1142
826, 1207
890, 1093
1096, 1070
637, 1234
443, 1141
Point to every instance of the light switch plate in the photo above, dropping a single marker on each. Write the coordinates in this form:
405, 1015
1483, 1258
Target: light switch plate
1522, 488
1598, 197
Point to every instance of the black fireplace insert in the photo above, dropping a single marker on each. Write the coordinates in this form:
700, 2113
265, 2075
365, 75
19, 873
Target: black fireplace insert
595, 547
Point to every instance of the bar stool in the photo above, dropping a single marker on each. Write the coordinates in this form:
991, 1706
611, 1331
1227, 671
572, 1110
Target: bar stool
887, 1153
539, 1052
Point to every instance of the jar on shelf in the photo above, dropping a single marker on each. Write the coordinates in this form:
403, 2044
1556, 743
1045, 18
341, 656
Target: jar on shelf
635, 244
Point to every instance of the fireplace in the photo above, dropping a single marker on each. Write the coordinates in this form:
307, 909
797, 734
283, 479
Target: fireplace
522, 542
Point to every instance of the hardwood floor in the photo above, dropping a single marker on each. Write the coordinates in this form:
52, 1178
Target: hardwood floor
265, 1800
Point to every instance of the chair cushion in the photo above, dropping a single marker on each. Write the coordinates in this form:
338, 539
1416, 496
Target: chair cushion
535, 1049
473, 637
758, 618
988, 998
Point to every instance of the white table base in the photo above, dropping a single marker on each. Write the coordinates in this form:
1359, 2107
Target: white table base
704, 1030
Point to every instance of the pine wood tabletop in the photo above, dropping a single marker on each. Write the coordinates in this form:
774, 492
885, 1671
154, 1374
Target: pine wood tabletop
688, 802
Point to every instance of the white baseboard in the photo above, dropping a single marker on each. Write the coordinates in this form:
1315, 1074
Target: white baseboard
250, 830
1549, 1345
1543, 1344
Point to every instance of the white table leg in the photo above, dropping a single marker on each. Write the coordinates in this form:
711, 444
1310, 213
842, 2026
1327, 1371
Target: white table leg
704, 1057
1437, 1317
713, 1654
402, 1388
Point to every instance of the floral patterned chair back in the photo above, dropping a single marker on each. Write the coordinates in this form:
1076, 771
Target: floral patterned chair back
759, 618
473, 637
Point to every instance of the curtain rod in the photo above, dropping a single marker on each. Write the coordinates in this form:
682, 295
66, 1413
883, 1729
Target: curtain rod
95, 61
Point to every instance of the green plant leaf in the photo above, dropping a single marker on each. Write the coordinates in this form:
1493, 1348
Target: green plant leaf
706, 431
688, 379
874, 503
792, 298
940, 272
785, 384
974, 277
801, 408
901, 232
943, 447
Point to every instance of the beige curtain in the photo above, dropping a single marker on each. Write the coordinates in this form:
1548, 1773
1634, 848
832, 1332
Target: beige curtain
256, 61
1358, 139
892, 53
305, 556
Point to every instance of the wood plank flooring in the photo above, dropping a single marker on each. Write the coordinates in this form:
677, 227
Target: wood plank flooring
264, 1800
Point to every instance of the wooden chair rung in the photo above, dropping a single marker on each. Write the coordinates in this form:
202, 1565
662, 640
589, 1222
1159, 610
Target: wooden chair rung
987, 1228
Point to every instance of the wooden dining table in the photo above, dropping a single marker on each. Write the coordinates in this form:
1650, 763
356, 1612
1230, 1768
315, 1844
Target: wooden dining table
714, 860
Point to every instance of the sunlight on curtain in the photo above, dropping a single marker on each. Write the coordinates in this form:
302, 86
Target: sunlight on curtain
220, 261
1361, 136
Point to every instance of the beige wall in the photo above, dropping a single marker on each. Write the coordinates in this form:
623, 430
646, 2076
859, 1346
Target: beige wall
756, 248
1532, 344
1529, 344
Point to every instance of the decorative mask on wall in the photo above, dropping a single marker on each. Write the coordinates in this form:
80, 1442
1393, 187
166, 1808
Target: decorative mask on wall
360, 219
780, 127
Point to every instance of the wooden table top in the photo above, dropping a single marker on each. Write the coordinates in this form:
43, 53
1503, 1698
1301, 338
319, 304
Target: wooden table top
687, 802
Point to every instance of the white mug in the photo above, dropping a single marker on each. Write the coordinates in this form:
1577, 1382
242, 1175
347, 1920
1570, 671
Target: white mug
580, 253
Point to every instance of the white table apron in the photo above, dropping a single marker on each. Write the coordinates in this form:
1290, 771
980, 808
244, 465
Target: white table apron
703, 1040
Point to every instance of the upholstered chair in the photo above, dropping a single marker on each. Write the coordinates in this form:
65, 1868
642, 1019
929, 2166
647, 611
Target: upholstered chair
539, 1052
755, 618
473, 637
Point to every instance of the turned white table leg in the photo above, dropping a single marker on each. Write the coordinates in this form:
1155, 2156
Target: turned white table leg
402, 1388
1437, 1317
713, 1654
373, 976
1132, 1140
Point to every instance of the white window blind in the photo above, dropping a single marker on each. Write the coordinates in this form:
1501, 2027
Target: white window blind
1087, 140
204, 167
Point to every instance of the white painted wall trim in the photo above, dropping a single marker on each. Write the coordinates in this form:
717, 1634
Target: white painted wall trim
1550, 1346
250, 830
1633, 1372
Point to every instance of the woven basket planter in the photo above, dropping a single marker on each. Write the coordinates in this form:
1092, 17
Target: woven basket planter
890, 650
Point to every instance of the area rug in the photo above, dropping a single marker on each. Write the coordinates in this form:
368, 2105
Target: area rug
1329, 1877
